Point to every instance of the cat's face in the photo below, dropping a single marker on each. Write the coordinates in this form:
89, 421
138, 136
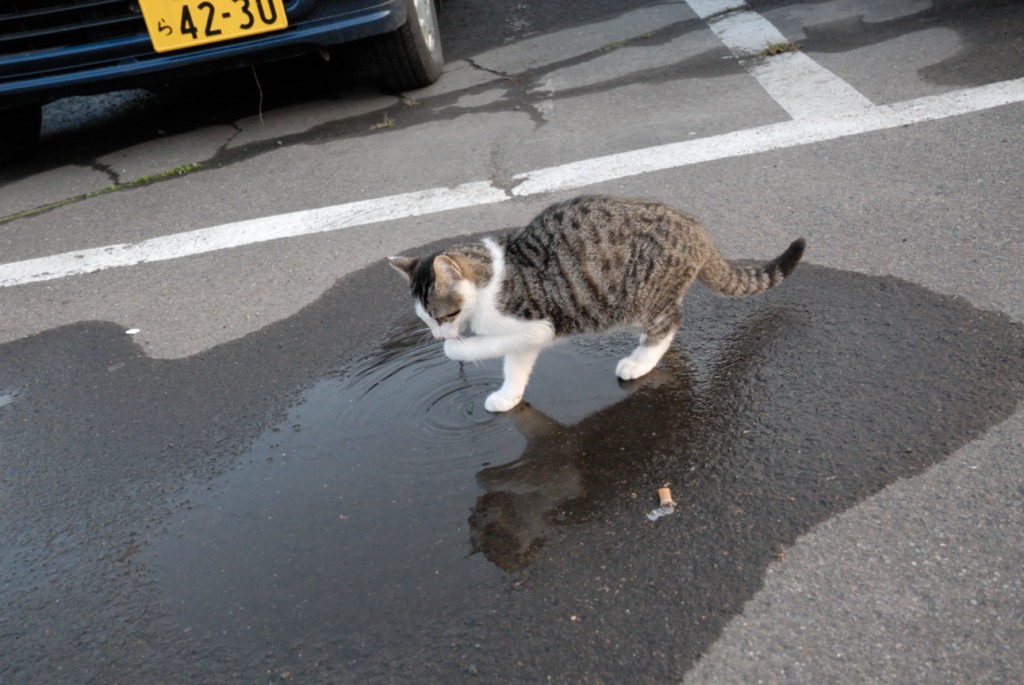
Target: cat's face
443, 298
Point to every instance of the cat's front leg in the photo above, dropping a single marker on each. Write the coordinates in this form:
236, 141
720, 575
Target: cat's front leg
478, 347
456, 350
517, 368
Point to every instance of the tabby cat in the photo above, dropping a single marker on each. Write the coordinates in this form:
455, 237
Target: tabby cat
582, 266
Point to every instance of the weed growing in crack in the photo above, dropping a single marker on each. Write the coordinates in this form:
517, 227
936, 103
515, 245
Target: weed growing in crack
386, 122
777, 48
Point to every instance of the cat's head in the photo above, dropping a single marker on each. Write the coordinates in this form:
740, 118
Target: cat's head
444, 296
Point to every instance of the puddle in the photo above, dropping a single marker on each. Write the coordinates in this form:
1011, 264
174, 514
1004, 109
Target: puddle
388, 490
391, 463
389, 525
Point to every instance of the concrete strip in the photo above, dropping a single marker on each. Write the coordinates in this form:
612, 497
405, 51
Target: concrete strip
286, 121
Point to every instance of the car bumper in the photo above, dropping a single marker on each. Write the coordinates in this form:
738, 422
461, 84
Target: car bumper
39, 76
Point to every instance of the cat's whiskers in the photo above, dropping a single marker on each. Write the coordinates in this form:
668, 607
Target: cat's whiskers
475, 362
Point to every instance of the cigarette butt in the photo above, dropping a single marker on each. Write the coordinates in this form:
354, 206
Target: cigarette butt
666, 497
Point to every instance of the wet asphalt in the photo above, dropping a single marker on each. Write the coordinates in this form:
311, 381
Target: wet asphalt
380, 526
282, 479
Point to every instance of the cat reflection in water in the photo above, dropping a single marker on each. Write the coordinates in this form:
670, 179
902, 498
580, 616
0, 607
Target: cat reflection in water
587, 265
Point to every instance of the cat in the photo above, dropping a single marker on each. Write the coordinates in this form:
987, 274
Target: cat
591, 264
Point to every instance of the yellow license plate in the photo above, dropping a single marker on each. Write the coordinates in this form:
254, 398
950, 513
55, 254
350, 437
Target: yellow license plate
178, 24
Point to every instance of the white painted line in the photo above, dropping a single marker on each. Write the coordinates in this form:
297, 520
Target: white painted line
767, 138
567, 176
823, 106
805, 89
248, 232
801, 86
709, 8
745, 33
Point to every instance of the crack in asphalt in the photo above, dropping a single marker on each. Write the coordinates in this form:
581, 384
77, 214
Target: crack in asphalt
500, 177
523, 97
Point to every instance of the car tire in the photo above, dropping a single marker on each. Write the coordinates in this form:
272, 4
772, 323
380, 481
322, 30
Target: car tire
411, 56
19, 130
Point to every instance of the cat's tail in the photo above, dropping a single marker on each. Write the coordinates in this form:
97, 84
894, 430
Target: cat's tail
738, 281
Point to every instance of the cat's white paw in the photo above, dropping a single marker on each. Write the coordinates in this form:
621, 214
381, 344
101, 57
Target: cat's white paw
628, 369
496, 402
455, 349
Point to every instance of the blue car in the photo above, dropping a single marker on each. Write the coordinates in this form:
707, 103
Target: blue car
54, 48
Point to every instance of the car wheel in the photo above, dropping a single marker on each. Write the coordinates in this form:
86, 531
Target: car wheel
19, 130
411, 56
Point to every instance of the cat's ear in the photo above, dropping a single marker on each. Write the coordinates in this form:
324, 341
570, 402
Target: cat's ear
446, 270
404, 265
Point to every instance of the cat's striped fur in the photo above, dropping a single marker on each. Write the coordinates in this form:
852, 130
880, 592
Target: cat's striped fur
587, 265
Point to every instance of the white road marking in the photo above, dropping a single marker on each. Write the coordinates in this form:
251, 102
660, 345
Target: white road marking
801, 86
805, 89
706, 9
779, 136
824, 108
746, 33
240, 233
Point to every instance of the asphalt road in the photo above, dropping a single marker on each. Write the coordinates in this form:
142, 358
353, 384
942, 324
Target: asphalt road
277, 478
